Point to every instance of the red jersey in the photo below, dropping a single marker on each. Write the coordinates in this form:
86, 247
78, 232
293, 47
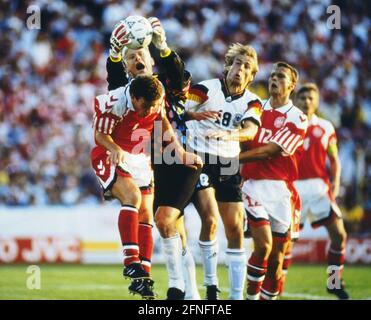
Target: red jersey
320, 135
285, 126
116, 116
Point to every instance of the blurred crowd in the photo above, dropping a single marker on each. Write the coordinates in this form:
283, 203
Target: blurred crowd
48, 77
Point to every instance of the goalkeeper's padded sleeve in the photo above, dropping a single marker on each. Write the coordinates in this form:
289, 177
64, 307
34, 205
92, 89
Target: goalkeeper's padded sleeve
116, 75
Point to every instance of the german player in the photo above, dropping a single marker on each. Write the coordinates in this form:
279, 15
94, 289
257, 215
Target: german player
269, 193
174, 183
318, 187
218, 142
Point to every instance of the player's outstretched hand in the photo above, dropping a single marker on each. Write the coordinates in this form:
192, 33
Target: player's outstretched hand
119, 39
204, 115
116, 156
159, 36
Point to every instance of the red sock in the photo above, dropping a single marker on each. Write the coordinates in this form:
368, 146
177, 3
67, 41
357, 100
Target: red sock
336, 260
145, 245
256, 269
270, 288
128, 227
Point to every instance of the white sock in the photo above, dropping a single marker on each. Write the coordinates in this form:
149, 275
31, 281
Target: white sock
172, 249
189, 274
209, 251
237, 272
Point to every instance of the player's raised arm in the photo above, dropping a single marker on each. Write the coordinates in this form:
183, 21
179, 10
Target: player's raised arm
116, 75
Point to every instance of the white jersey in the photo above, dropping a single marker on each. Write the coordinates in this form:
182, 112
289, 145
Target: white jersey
110, 108
212, 95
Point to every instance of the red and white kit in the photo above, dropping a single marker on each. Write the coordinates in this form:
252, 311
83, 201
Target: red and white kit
115, 116
268, 192
318, 204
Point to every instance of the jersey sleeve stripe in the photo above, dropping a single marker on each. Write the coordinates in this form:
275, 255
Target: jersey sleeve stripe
200, 91
106, 124
300, 142
113, 125
284, 137
293, 145
286, 143
279, 133
195, 98
100, 124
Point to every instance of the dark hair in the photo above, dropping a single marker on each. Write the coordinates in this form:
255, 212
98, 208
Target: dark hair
147, 87
309, 86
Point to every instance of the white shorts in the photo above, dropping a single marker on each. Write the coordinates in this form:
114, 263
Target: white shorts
136, 166
317, 206
269, 202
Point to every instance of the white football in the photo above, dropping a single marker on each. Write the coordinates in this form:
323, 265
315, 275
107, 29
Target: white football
139, 30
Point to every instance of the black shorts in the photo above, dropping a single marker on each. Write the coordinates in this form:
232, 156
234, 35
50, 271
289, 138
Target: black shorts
227, 186
174, 185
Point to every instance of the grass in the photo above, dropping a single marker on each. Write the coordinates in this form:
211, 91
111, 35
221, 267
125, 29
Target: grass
92, 282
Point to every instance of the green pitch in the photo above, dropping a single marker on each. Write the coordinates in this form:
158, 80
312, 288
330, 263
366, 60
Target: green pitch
106, 282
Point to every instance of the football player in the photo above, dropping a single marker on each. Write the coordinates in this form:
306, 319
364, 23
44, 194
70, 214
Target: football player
122, 171
217, 141
269, 194
319, 188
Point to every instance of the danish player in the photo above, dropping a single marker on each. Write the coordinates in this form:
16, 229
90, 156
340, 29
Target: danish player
268, 192
122, 118
217, 141
319, 188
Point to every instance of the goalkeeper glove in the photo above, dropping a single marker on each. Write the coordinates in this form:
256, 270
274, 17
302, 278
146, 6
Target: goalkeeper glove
119, 39
158, 37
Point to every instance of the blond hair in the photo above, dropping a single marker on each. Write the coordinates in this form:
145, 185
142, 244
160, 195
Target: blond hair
237, 49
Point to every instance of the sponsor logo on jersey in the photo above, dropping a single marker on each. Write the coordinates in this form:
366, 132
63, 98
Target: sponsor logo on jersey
279, 122
237, 119
317, 132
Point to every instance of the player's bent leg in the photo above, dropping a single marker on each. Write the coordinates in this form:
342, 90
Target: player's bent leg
128, 193
166, 218
258, 262
336, 258
337, 233
207, 208
271, 285
166, 221
181, 230
145, 236
232, 214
